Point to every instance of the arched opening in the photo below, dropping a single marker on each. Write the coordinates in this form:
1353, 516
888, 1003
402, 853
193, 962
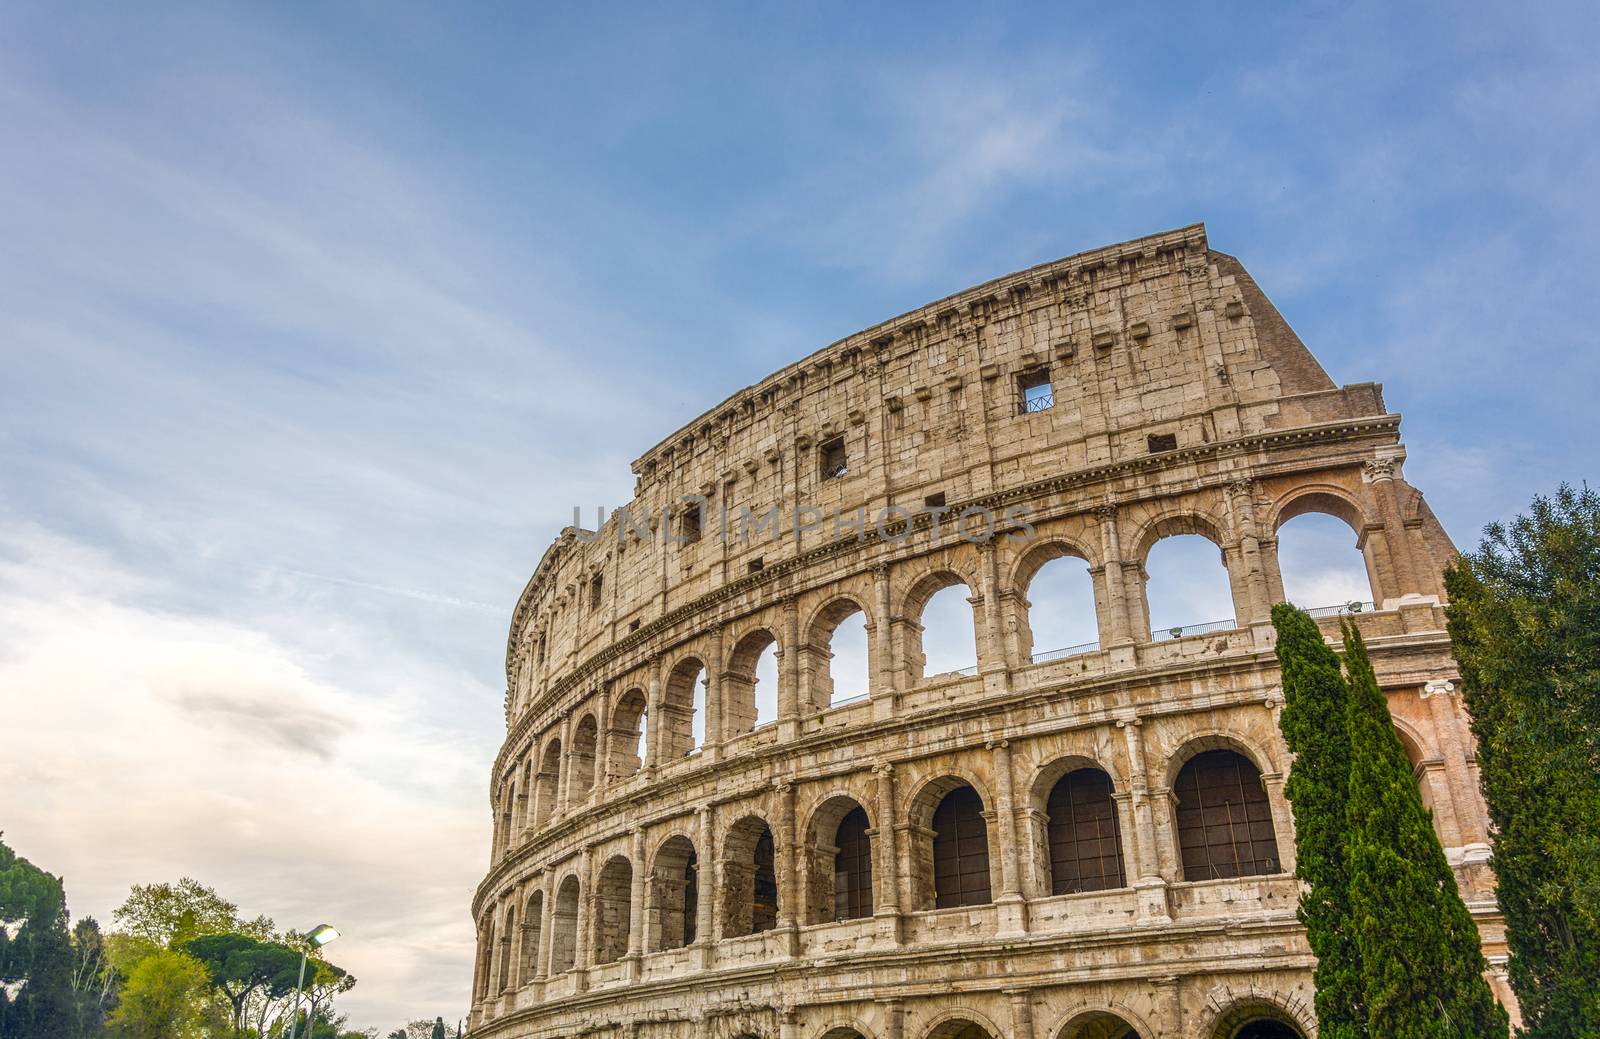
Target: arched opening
683, 709
959, 1028
749, 879
751, 683
1256, 1019
952, 865
485, 955
674, 895
584, 740
1419, 769
503, 982
1224, 819
1321, 561
1187, 587
532, 928
564, 928
507, 800
613, 902
1082, 832
547, 785
627, 734
838, 660
1099, 1026
941, 627
1057, 615
767, 686
838, 863
521, 817
842, 1032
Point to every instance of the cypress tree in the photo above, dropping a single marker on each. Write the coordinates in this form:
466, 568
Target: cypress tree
1316, 727
1524, 618
1421, 962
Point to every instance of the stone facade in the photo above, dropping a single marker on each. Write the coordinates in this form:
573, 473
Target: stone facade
789, 879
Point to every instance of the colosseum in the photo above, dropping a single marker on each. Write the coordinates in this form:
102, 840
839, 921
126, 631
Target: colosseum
1088, 842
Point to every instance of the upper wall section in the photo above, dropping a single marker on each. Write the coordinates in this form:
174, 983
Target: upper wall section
1155, 344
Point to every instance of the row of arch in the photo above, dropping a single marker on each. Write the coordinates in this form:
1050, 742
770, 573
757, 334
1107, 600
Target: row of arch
1223, 823
1249, 1018
609, 744
1324, 513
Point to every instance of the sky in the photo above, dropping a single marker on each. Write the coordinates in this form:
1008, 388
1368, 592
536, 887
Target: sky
317, 320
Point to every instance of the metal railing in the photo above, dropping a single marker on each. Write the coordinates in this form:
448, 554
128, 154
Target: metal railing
1183, 631
1039, 402
1342, 610
1069, 651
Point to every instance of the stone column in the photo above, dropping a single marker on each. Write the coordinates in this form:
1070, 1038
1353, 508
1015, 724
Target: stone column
992, 662
637, 925
1148, 883
789, 672
1011, 905
653, 719
1168, 1006
710, 884
564, 766
1379, 473
1254, 606
789, 894
886, 874
1282, 819
894, 1018
1117, 598
1455, 747
714, 735
883, 683
587, 907
1021, 1014
602, 750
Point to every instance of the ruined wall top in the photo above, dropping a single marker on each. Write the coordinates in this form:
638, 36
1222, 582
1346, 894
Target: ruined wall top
1157, 346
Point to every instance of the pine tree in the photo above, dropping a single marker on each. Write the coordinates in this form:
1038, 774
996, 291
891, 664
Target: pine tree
36, 998
1316, 727
1524, 619
1421, 962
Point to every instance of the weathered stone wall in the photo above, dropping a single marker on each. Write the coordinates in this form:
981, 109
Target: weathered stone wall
1155, 337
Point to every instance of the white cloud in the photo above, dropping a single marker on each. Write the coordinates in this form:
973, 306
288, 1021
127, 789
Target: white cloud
146, 744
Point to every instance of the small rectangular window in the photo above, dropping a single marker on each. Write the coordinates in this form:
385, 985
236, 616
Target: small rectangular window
689, 522
633, 625
595, 588
756, 564
1159, 442
834, 462
1037, 392
934, 501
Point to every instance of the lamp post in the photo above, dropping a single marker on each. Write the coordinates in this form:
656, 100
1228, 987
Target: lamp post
319, 936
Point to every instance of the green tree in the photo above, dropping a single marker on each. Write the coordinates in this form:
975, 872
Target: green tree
1315, 725
1421, 962
168, 915
36, 999
1524, 618
94, 981
240, 967
163, 998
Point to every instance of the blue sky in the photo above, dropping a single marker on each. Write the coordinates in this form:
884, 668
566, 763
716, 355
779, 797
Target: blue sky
317, 319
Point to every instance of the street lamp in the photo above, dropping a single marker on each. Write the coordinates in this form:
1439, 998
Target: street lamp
317, 937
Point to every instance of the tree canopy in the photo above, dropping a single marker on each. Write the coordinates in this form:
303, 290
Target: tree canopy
35, 952
1524, 618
